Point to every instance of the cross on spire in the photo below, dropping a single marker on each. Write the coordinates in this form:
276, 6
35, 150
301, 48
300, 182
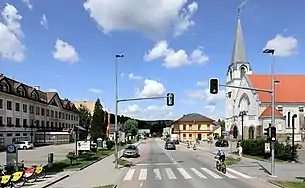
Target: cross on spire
238, 13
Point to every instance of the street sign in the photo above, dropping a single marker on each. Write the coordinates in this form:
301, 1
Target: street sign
11, 154
267, 147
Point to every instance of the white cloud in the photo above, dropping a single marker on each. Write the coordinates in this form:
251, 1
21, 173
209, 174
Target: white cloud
28, 4
151, 17
152, 112
131, 110
65, 52
188, 101
94, 90
202, 83
152, 88
52, 90
10, 35
132, 76
44, 21
210, 108
158, 108
174, 59
284, 46
122, 74
205, 95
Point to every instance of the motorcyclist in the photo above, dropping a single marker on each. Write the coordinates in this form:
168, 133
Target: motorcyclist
221, 154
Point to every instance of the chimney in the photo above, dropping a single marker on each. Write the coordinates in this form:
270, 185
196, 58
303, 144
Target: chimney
37, 87
1, 74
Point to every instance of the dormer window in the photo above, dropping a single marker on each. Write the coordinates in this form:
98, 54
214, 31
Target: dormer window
231, 75
34, 95
301, 109
20, 92
3, 87
242, 71
280, 108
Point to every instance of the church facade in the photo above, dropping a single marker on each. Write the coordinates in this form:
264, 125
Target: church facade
254, 107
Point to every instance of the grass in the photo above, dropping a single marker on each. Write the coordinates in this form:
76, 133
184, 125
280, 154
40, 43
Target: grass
230, 161
124, 163
105, 186
291, 184
260, 158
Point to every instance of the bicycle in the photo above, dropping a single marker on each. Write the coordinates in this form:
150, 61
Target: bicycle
221, 166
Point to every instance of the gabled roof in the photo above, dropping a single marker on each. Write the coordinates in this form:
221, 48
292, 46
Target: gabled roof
267, 112
194, 117
288, 90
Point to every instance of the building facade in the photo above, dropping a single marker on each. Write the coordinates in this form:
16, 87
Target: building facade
193, 126
248, 113
26, 112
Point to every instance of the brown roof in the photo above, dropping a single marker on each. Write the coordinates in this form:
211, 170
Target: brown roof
267, 112
288, 90
194, 117
42, 97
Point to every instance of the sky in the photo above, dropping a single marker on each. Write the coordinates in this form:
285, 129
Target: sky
171, 46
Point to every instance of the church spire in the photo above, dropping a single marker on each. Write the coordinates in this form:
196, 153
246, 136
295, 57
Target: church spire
239, 49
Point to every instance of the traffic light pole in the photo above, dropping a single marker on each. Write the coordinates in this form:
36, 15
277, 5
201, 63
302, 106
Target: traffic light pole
272, 112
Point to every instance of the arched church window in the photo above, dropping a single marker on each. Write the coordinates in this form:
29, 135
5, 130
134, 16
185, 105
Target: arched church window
242, 71
231, 75
244, 105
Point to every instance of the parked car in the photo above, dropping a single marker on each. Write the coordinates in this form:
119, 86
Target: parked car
170, 145
222, 143
24, 145
131, 151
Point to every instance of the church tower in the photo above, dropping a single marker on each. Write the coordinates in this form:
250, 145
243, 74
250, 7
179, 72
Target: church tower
239, 66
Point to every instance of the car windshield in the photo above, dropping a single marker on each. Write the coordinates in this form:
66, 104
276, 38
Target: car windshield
170, 142
131, 147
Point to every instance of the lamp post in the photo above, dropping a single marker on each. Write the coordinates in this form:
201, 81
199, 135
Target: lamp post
242, 114
293, 123
271, 52
117, 56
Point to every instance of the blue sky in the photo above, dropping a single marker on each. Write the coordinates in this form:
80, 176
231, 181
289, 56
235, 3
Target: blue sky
194, 43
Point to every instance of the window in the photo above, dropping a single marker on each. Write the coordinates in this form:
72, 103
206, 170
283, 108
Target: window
184, 135
20, 92
37, 110
199, 127
190, 127
25, 108
69, 117
17, 134
63, 115
1, 103
59, 114
66, 116
55, 124
32, 122
48, 112
17, 107
242, 71
3, 87
52, 124
59, 124
42, 123
190, 135
31, 109
34, 95
52, 113
17, 122
1, 120
25, 134
42, 111
9, 121
37, 123
208, 126
9, 105
48, 123
76, 118
9, 134
280, 108
25, 122
301, 109
56, 114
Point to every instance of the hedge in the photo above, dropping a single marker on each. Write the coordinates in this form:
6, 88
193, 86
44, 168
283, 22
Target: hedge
283, 151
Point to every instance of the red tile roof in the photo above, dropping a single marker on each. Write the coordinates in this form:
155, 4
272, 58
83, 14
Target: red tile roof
267, 112
289, 90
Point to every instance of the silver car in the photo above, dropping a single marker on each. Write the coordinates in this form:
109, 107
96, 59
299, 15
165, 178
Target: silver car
131, 151
170, 145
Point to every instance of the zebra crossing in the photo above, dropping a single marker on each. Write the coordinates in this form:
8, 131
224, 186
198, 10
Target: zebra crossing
181, 173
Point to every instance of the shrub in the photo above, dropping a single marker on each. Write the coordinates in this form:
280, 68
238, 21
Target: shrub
71, 156
283, 151
109, 144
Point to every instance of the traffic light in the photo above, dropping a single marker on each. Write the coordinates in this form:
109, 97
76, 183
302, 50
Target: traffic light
170, 99
273, 134
214, 85
267, 132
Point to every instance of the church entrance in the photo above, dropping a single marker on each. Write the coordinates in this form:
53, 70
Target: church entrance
235, 131
251, 133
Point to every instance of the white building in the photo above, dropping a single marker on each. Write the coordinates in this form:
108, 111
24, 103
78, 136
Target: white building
289, 98
26, 112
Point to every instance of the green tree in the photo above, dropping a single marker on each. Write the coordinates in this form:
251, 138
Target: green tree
84, 117
131, 126
222, 124
98, 126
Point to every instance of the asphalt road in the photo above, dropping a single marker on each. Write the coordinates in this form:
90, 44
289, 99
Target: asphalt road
157, 167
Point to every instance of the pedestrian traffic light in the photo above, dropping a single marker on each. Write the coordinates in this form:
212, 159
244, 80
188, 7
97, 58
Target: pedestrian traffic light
267, 132
214, 85
273, 134
170, 99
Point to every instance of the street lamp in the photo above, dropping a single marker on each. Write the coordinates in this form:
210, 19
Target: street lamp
117, 56
271, 52
293, 126
242, 114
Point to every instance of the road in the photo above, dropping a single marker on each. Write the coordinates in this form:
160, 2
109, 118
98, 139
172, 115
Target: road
181, 168
39, 155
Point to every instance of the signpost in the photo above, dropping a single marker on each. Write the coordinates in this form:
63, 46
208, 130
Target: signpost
11, 155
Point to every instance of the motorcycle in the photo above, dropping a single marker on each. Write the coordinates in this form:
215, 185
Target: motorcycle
40, 171
221, 166
29, 173
11, 178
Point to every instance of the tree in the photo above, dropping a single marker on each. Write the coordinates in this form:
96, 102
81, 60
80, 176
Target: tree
84, 120
98, 126
131, 126
222, 124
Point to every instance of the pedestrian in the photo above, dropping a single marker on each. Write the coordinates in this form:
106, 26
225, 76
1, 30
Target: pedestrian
240, 150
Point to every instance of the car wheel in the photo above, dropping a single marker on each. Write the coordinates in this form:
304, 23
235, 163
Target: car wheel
25, 148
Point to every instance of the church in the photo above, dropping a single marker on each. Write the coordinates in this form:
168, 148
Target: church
252, 109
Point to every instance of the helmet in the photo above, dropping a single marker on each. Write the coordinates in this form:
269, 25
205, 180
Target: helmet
219, 149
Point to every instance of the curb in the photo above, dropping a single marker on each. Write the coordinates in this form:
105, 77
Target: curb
276, 184
55, 181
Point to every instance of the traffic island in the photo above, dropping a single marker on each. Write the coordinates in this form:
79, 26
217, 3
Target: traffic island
288, 184
105, 186
231, 161
124, 162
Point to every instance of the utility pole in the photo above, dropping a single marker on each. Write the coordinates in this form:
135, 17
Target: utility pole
293, 126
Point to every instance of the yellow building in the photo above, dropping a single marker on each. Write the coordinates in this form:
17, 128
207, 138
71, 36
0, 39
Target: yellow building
89, 105
195, 126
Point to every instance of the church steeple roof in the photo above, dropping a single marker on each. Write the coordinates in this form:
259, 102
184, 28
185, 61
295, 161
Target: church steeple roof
239, 49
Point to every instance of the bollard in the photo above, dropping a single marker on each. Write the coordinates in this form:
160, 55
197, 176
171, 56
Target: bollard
50, 160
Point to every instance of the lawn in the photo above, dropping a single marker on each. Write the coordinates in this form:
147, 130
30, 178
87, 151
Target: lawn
124, 163
104, 186
291, 184
230, 161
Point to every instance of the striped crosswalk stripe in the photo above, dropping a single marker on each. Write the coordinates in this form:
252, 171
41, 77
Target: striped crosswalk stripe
157, 174
129, 174
143, 174
184, 173
238, 173
198, 173
214, 175
170, 174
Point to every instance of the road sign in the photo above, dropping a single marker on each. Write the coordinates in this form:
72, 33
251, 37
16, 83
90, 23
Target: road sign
11, 154
267, 147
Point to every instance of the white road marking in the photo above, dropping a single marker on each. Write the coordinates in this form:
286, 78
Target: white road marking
157, 174
170, 174
198, 173
230, 175
214, 175
141, 164
160, 164
239, 173
184, 173
129, 174
143, 174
